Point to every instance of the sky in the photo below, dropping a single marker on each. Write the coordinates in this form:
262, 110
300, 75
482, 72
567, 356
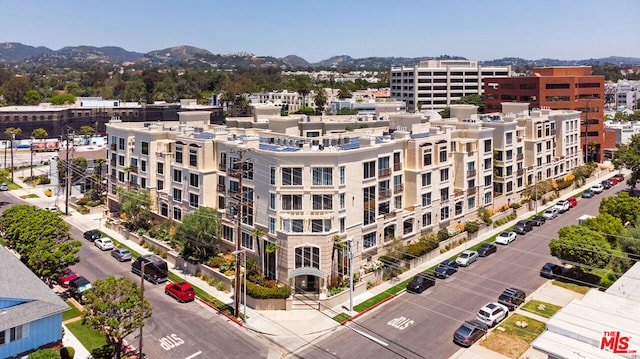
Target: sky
318, 30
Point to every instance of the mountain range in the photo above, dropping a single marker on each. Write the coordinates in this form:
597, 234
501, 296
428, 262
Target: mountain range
17, 53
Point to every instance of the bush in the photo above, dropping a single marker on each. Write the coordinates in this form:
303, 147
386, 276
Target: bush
515, 205
43, 179
443, 234
471, 227
67, 352
82, 201
259, 292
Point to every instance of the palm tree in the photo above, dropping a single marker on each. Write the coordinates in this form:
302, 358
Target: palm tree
98, 167
128, 170
11, 134
336, 266
258, 233
320, 99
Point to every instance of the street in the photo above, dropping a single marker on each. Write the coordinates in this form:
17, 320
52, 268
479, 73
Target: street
422, 325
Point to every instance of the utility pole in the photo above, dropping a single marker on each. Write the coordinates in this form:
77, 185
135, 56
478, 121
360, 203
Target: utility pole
31, 147
68, 185
241, 203
13, 138
142, 263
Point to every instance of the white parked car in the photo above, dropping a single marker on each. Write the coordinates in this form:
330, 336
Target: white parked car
104, 244
467, 257
597, 188
492, 314
562, 206
506, 238
550, 213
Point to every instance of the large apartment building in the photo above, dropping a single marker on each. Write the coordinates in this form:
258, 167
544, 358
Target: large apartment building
560, 88
303, 181
436, 84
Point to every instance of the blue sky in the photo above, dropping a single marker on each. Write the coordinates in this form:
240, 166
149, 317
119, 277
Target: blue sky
317, 30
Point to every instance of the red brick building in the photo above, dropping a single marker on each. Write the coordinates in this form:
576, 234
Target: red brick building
561, 88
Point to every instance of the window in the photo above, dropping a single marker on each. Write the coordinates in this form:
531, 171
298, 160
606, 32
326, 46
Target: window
444, 194
320, 225
194, 200
369, 204
177, 176
487, 163
291, 176
143, 166
426, 179
487, 197
342, 200
443, 154
398, 202
160, 168
247, 241
343, 225
322, 176
272, 201
426, 219
487, 180
369, 169
444, 174
193, 157
307, 257
342, 174
120, 176
164, 209
322, 202
509, 155
17, 333
487, 146
160, 185
444, 213
292, 202
272, 176
121, 160
247, 170
272, 225
178, 154
427, 159
145, 148
177, 213
143, 182
369, 240
426, 199
121, 143
509, 138
292, 225
194, 180
458, 208
471, 203
177, 194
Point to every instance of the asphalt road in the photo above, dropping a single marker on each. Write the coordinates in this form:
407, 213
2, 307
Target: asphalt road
422, 325
176, 330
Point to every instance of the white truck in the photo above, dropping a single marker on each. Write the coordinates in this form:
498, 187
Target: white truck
584, 218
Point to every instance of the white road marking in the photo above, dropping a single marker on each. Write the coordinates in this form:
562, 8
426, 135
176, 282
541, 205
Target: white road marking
194, 355
370, 337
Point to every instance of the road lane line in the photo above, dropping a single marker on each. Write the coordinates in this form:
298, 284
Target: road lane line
194, 355
370, 337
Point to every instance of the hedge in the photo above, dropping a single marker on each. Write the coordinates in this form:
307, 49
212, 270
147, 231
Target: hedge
259, 292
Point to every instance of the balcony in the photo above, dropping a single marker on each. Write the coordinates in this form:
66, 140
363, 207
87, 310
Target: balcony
553, 132
221, 187
398, 188
520, 172
384, 193
134, 169
384, 172
112, 163
471, 172
235, 173
519, 156
471, 191
112, 147
397, 166
459, 193
222, 167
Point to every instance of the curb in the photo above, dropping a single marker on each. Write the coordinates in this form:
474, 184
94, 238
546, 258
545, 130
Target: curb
380, 303
240, 323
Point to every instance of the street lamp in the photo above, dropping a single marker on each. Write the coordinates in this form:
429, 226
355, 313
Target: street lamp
31, 147
350, 254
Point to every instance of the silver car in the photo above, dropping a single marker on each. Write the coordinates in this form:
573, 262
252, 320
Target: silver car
467, 257
121, 254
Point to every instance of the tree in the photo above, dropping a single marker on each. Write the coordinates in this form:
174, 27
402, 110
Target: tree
11, 133
303, 87
115, 307
15, 89
199, 233
320, 99
41, 238
622, 206
31, 97
607, 224
44, 354
135, 91
39, 133
629, 241
337, 259
628, 156
343, 92
78, 169
62, 99
581, 245
87, 130
474, 99
136, 207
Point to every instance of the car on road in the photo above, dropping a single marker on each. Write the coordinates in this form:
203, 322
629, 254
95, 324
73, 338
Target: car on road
121, 254
469, 332
506, 238
78, 287
104, 244
562, 206
551, 270
512, 298
66, 277
92, 235
572, 202
538, 220
550, 213
466, 258
522, 227
486, 249
492, 314
587, 193
614, 180
597, 188
606, 184
181, 291
619, 177
444, 272
4, 187
53, 209
420, 282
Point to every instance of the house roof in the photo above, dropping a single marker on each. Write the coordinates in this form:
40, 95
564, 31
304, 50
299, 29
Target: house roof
24, 297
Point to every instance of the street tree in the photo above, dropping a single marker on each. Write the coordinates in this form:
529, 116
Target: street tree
135, 205
606, 224
87, 130
78, 169
303, 87
39, 133
116, 308
622, 206
629, 241
199, 233
578, 244
628, 156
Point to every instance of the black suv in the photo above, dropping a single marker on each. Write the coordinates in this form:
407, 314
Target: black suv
469, 332
421, 282
512, 298
92, 235
522, 227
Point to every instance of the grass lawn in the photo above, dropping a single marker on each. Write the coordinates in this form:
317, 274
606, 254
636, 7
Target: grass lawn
542, 309
90, 339
30, 195
382, 296
13, 186
582, 289
511, 340
71, 313
341, 317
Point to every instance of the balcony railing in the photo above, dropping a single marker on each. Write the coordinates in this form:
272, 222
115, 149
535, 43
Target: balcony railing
134, 169
553, 132
471, 191
520, 156
398, 188
397, 166
222, 167
384, 172
471, 172
221, 187
384, 193
520, 172
112, 147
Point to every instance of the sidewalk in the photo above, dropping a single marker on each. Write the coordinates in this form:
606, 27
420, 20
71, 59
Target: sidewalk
295, 329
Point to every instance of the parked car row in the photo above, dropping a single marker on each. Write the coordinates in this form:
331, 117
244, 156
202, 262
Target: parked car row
489, 316
105, 244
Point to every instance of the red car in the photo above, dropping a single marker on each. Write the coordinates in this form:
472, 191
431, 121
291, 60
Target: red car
181, 291
614, 180
572, 202
66, 277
